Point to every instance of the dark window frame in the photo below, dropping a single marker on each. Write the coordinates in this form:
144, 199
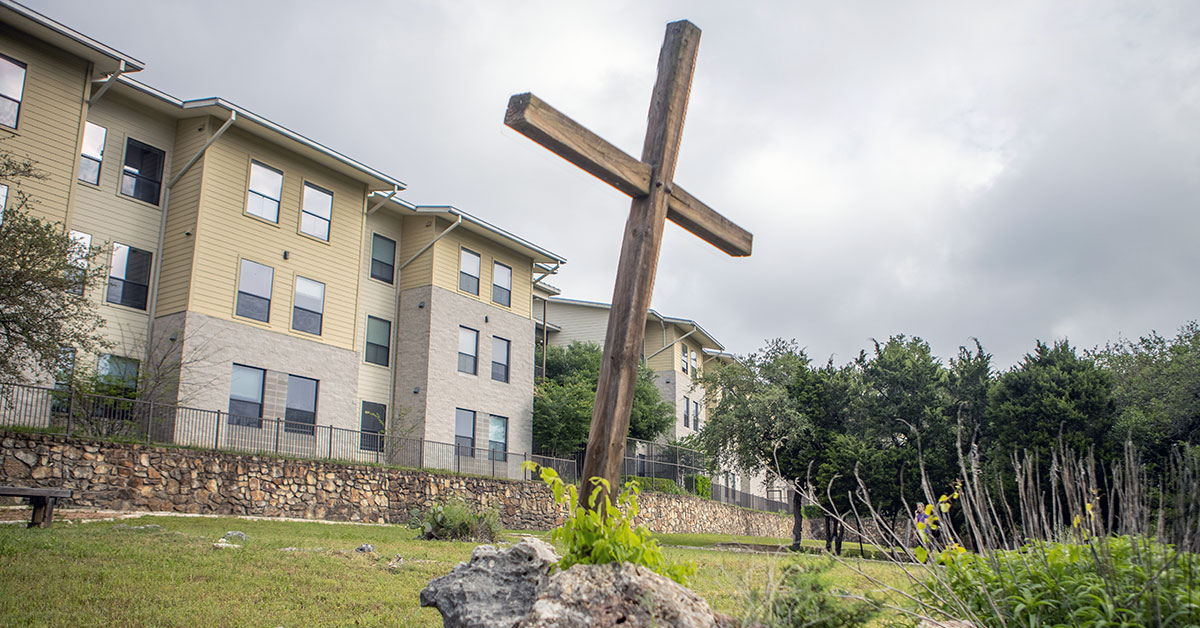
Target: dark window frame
19, 101
684, 362
502, 366
251, 297
136, 176
98, 160
377, 348
686, 409
499, 290
466, 281
464, 446
251, 191
473, 357
371, 430
296, 420
499, 454
378, 265
320, 316
304, 211
235, 415
119, 291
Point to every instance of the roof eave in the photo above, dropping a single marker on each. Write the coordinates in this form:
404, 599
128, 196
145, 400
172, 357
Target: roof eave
105, 58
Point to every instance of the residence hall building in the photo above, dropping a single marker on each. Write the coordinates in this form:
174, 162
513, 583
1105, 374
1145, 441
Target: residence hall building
261, 274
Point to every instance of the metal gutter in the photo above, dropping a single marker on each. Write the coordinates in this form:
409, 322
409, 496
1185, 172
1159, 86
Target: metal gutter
37, 19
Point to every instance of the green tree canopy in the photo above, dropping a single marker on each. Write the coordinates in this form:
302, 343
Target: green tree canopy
562, 402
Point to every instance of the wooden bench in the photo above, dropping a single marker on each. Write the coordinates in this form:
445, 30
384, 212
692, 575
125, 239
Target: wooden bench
42, 500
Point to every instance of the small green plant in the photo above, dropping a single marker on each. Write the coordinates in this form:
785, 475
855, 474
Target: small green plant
598, 536
703, 486
800, 597
812, 511
456, 521
658, 485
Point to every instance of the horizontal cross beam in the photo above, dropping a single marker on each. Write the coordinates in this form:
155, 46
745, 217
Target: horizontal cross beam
533, 118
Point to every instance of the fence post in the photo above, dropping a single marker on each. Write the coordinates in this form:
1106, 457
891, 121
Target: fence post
420, 453
277, 422
331, 442
70, 408
380, 442
217, 432
149, 421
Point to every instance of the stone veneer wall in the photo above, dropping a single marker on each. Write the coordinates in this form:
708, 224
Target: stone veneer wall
122, 476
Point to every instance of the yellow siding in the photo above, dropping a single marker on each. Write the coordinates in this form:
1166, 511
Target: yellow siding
175, 275
656, 338
376, 298
111, 217
418, 231
48, 125
446, 263
578, 322
224, 234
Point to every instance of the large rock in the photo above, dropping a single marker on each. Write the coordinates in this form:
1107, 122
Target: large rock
623, 595
495, 589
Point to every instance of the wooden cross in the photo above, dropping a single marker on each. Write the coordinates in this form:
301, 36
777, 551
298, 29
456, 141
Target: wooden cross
655, 199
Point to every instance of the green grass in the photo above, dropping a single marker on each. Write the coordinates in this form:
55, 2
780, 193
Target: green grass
98, 574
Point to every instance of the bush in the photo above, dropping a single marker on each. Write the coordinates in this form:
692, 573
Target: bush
1123, 580
801, 598
811, 511
703, 485
455, 521
599, 537
658, 485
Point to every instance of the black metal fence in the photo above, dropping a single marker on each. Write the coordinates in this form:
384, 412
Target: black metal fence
115, 418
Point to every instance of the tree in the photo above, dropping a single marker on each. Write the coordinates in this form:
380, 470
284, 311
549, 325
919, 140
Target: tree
44, 274
563, 400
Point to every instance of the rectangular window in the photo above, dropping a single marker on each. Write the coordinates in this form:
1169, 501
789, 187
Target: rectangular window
301, 414
464, 432
93, 153
379, 340
500, 348
686, 408
81, 245
501, 284
498, 438
696, 413
308, 305
468, 271
118, 375
695, 364
468, 350
246, 396
254, 291
316, 212
12, 89
266, 188
142, 176
683, 364
3, 200
383, 258
373, 417
129, 277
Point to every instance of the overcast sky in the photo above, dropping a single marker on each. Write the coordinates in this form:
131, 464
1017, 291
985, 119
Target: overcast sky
1008, 171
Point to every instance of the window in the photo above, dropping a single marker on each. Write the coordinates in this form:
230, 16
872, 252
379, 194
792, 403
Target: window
379, 340
3, 200
266, 188
81, 245
696, 414
142, 177
464, 432
500, 359
383, 258
373, 417
501, 284
254, 291
12, 87
246, 396
695, 370
498, 438
686, 417
468, 350
301, 414
316, 212
308, 305
468, 271
93, 153
129, 277
118, 375
684, 362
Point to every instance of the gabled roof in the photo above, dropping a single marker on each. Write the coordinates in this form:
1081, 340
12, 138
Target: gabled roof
256, 125
471, 223
707, 340
106, 59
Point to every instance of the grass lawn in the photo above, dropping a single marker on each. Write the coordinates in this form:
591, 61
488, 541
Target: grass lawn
100, 574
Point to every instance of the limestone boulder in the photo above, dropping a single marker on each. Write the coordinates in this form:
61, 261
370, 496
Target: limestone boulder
623, 595
495, 589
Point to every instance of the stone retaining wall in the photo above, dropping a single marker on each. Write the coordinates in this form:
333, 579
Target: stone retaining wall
123, 476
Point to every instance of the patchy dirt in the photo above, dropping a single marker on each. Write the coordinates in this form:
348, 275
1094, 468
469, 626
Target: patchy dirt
16, 514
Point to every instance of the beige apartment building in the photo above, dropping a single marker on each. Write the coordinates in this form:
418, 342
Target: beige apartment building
255, 274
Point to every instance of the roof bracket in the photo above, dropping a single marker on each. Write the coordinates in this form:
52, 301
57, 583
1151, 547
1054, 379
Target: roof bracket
374, 208
547, 273
112, 78
677, 341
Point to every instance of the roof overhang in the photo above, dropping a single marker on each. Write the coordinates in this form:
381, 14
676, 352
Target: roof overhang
256, 125
707, 341
473, 224
106, 59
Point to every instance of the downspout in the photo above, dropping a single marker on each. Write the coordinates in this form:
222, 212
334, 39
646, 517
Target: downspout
108, 82
156, 266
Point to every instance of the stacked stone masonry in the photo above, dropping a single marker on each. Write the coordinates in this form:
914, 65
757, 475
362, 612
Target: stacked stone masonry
133, 477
